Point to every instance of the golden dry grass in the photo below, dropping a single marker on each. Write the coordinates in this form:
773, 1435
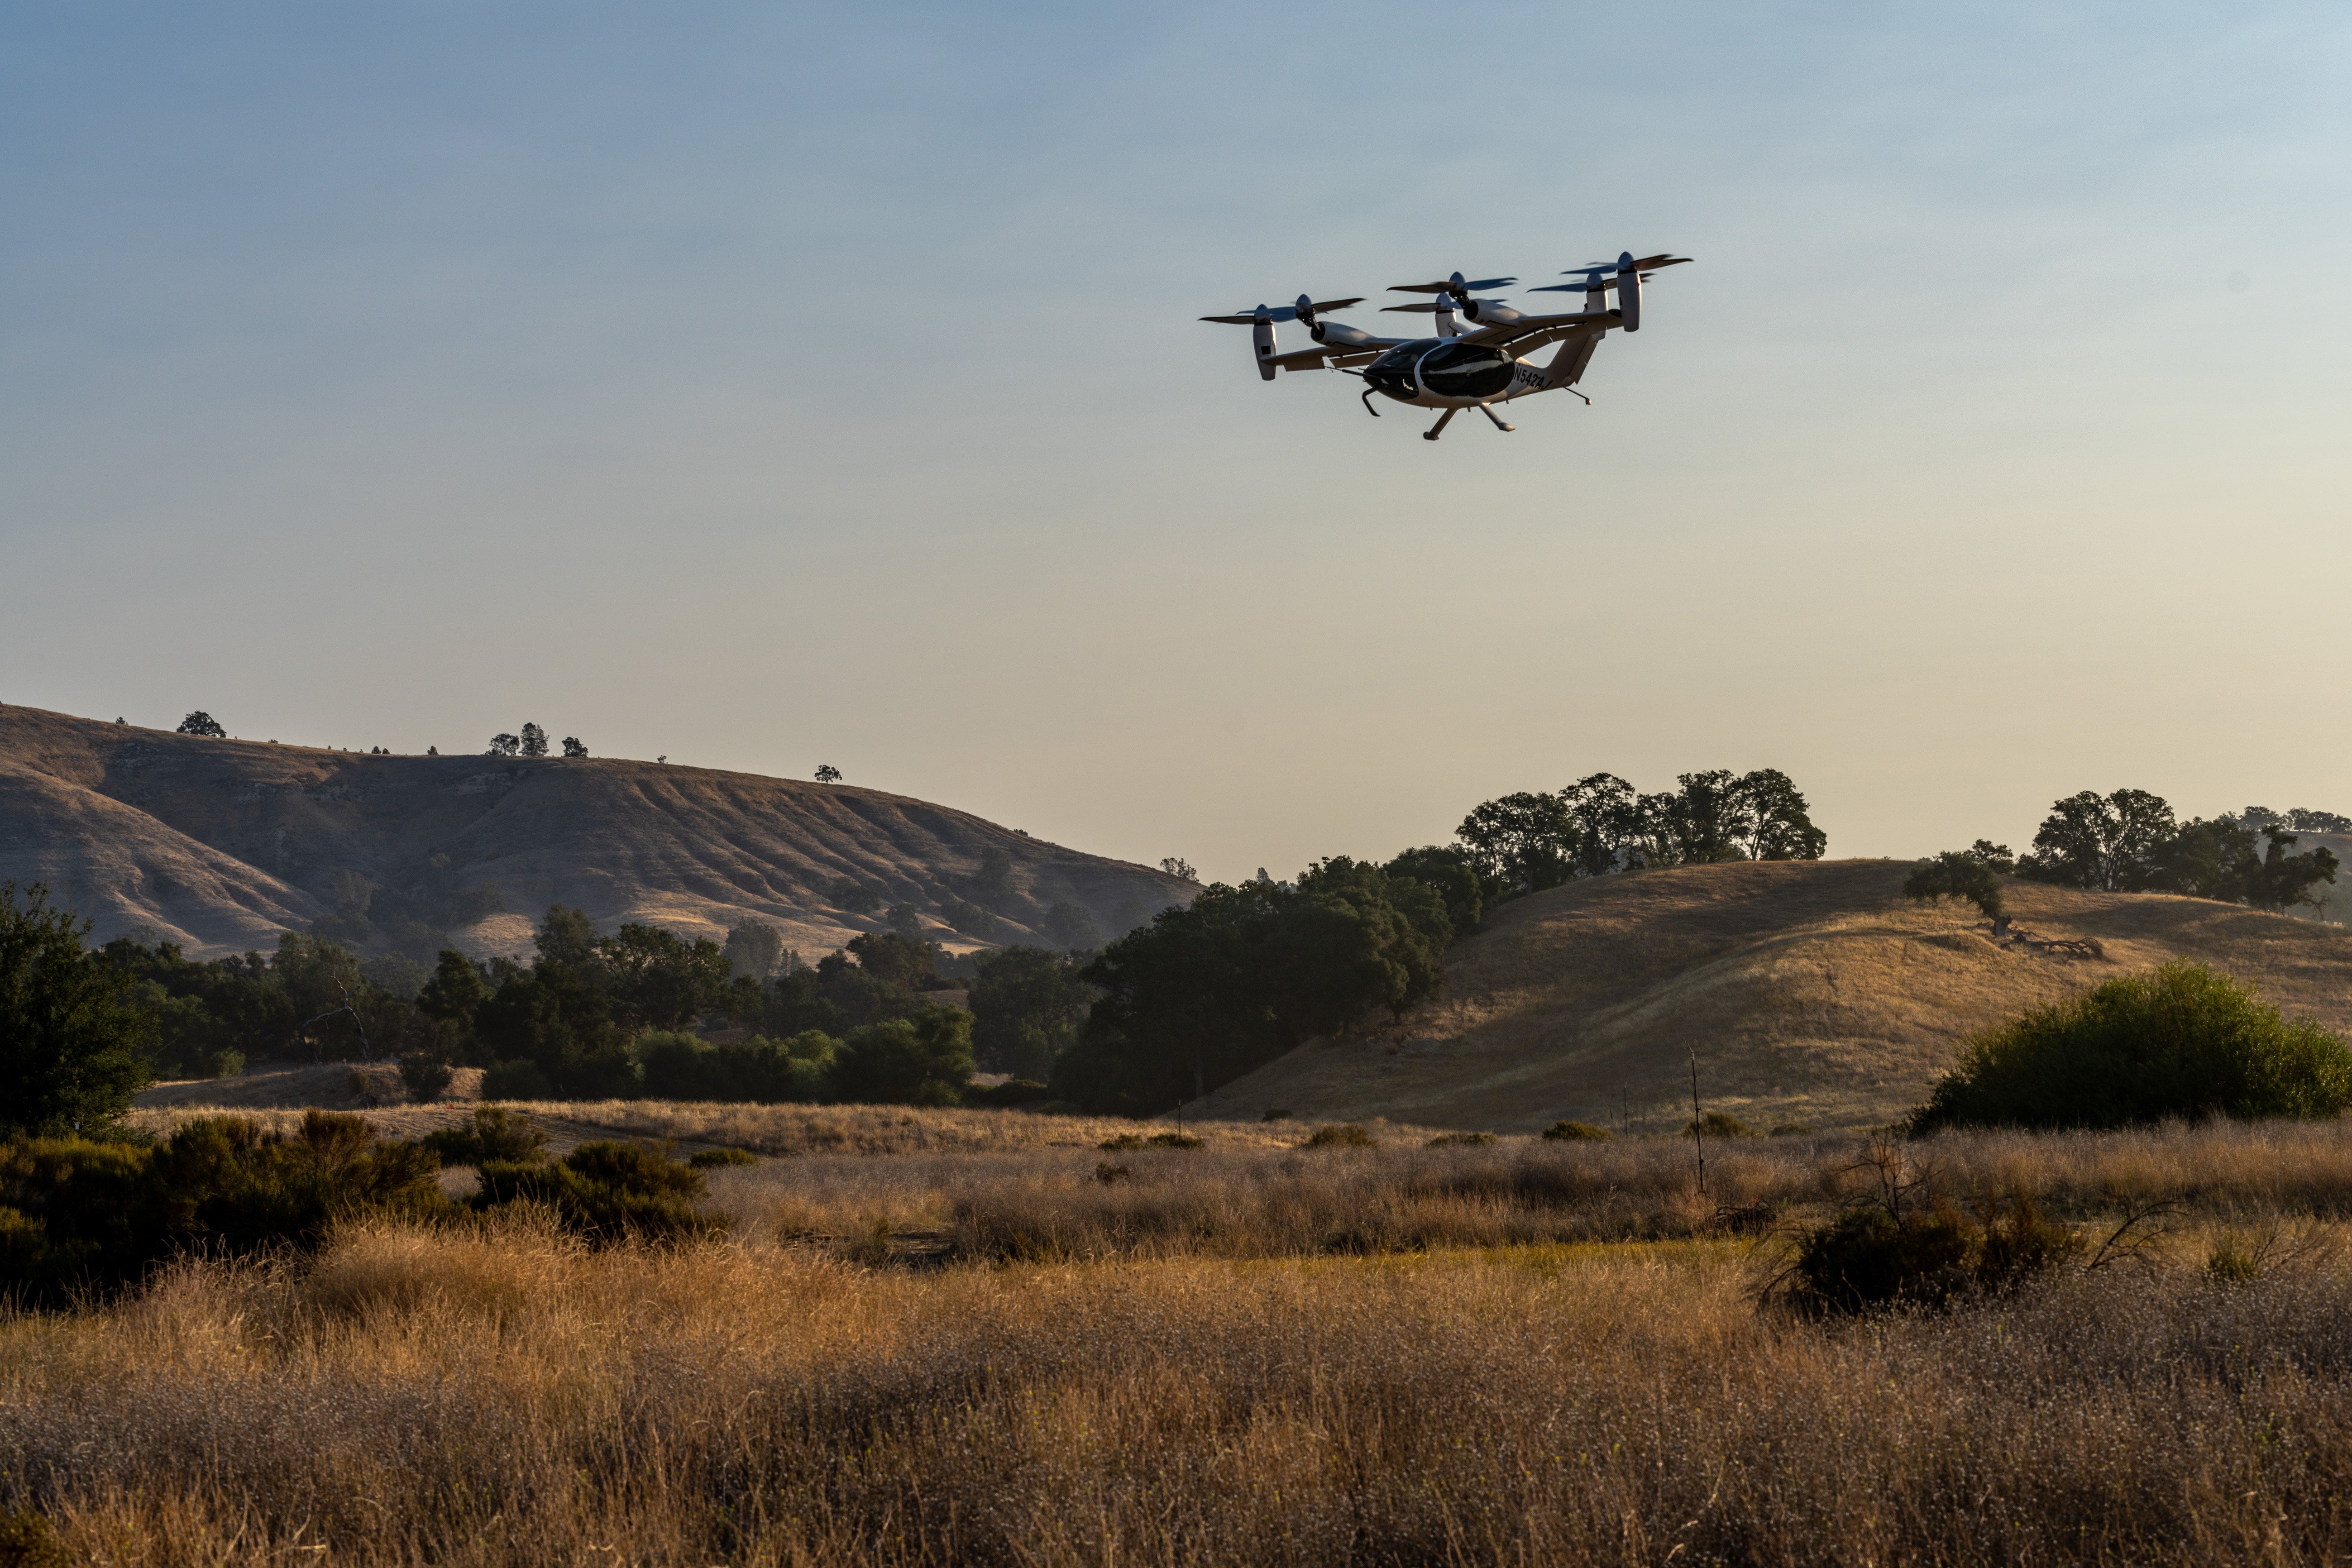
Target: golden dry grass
503, 1396
1812, 993
777, 1130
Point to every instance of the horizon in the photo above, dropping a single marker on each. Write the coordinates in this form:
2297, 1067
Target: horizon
2020, 844
389, 379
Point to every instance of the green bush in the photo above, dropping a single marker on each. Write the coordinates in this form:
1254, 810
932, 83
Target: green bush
1272, 1115
609, 1193
1872, 1257
1339, 1135
516, 1080
495, 1133
27, 1542
1720, 1124
77, 1216
757, 1071
425, 1075
711, 1159
2179, 1041
1958, 874
1576, 1132
1460, 1139
1172, 1141
922, 1060
73, 1039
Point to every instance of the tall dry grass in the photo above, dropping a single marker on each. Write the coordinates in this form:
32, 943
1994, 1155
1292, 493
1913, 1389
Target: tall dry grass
778, 1129
509, 1398
1251, 1200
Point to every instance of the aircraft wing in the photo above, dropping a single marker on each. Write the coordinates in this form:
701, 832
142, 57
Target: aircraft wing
1531, 333
1344, 354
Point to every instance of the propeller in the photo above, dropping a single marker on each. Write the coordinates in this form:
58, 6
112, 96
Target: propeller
1305, 310
1596, 275
1456, 286
1433, 306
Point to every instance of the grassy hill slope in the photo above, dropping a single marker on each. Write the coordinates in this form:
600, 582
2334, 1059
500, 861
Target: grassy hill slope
1810, 993
222, 844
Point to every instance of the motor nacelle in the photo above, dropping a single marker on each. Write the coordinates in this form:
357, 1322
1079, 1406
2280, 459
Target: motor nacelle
1629, 291
1339, 334
1492, 312
1262, 340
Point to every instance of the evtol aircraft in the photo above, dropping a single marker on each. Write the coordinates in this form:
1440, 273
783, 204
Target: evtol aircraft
1478, 357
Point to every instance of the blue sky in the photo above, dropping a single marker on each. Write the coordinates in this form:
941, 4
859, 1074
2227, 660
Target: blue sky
764, 387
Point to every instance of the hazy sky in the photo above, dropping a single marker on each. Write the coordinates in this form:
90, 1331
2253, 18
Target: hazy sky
768, 385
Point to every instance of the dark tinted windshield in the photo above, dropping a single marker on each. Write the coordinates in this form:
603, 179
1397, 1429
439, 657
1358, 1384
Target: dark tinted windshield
1467, 369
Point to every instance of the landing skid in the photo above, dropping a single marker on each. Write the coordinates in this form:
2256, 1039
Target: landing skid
1438, 429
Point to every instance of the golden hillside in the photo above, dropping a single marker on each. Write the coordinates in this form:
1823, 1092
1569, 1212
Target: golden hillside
1810, 993
222, 844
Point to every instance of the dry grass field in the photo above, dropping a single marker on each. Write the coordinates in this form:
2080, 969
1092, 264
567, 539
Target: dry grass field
1812, 993
1509, 1352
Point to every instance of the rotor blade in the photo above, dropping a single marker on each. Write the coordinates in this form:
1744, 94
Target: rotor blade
1249, 320
1489, 282
1410, 309
1323, 305
1557, 288
1421, 288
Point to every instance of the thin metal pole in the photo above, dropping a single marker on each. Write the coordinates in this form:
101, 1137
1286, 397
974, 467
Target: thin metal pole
1698, 1142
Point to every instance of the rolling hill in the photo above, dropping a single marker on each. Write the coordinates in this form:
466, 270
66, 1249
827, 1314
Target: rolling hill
223, 845
1810, 993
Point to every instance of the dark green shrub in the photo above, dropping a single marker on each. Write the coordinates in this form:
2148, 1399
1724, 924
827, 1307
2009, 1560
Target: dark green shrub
425, 1075
1576, 1132
1720, 1124
1276, 1116
516, 1080
1460, 1139
608, 1192
1958, 874
712, 1158
1339, 1135
27, 1542
922, 1060
73, 1040
1172, 1141
1123, 1141
1873, 1257
1107, 1172
77, 1214
495, 1133
2179, 1041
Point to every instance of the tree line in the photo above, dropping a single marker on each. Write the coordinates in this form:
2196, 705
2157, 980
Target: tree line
1601, 825
2131, 841
1201, 994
